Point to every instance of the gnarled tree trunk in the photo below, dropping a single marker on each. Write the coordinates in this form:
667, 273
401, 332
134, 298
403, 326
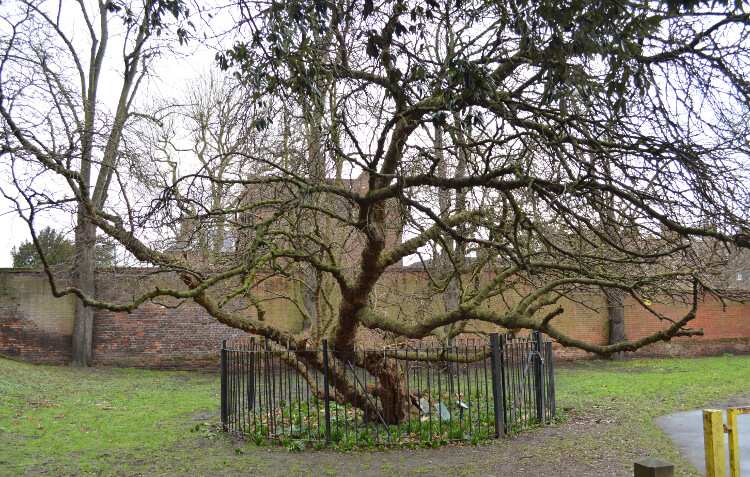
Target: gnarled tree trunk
392, 390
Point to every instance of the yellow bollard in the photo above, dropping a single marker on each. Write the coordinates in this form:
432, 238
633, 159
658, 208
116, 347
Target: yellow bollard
734, 439
713, 441
734, 443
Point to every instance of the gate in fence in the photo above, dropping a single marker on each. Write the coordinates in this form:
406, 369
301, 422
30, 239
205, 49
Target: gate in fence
470, 391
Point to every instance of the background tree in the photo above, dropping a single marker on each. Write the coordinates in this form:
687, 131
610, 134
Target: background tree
56, 247
209, 129
543, 152
57, 250
56, 86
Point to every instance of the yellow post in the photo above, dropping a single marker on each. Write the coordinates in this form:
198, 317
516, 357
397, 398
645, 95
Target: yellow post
734, 439
713, 441
734, 443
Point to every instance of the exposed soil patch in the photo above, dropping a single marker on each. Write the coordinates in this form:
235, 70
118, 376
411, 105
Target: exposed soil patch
539, 452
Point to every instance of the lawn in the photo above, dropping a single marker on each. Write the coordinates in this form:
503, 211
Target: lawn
62, 421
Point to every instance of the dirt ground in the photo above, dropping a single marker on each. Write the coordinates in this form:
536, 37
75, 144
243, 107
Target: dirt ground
550, 451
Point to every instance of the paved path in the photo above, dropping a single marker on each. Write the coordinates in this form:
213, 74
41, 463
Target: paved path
686, 431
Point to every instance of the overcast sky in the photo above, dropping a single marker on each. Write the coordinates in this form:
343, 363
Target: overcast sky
175, 74
171, 76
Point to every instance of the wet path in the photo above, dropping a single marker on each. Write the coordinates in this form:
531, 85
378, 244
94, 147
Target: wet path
686, 431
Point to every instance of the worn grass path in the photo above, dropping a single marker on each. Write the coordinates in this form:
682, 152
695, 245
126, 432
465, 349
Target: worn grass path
62, 421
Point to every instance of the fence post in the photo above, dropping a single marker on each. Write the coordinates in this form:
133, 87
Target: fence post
326, 392
497, 385
713, 442
224, 385
502, 340
734, 442
734, 439
268, 384
539, 376
552, 401
251, 376
651, 467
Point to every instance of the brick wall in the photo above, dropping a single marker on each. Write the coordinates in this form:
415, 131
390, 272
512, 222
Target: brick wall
726, 327
36, 327
159, 337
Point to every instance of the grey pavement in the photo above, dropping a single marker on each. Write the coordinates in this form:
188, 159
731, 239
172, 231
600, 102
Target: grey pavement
686, 431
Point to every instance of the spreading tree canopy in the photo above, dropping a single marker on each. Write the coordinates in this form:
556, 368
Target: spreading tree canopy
514, 154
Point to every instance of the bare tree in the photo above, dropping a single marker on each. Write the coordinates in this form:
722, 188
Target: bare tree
544, 152
54, 68
209, 131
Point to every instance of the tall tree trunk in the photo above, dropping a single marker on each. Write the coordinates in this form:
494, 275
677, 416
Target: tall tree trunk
84, 279
310, 289
615, 317
219, 234
451, 261
313, 113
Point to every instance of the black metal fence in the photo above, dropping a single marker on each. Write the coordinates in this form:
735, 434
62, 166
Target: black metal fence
471, 391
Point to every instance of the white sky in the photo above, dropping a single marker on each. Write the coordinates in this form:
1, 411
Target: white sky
170, 77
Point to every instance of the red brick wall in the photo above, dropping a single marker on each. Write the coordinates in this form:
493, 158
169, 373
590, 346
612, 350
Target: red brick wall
726, 328
718, 321
20, 337
36, 327
155, 336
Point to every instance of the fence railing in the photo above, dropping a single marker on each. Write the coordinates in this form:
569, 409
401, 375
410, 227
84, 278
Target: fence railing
470, 391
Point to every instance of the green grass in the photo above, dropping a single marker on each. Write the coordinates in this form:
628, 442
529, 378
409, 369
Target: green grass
61, 421
61, 415
631, 394
653, 387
